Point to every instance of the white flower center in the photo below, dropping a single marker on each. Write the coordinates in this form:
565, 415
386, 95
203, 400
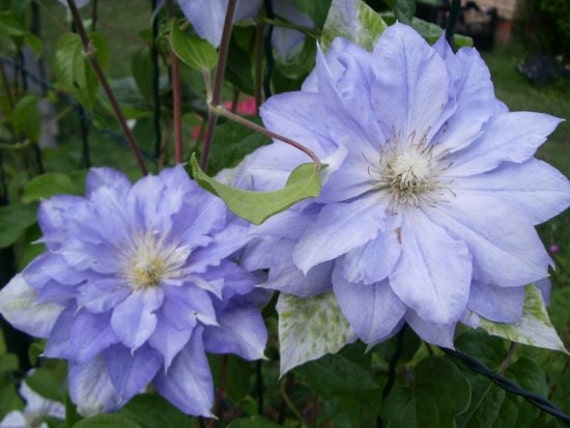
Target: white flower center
410, 175
149, 260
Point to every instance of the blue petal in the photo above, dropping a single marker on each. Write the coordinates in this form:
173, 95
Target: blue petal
433, 274
133, 320
376, 259
374, 311
184, 305
188, 382
499, 304
91, 389
338, 229
506, 249
168, 340
406, 101
102, 294
508, 137
534, 188
241, 331
80, 336
114, 180
130, 372
431, 332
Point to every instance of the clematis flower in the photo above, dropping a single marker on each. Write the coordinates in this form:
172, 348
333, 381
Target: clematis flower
137, 284
428, 205
207, 17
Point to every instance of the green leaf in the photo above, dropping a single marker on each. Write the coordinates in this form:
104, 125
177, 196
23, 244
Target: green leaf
256, 207
336, 374
73, 70
14, 219
353, 20
452, 399
310, 328
111, 420
317, 10
406, 408
195, 52
35, 43
10, 26
26, 117
151, 411
439, 392
534, 328
256, 421
53, 183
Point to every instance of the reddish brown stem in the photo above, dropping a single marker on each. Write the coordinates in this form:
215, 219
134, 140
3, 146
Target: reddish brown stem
88, 48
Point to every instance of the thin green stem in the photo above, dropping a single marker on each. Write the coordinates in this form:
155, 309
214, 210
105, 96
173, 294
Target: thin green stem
218, 82
220, 110
176, 107
450, 27
88, 48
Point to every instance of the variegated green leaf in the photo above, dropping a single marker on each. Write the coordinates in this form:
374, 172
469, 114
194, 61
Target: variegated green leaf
310, 328
353, 20
534, 328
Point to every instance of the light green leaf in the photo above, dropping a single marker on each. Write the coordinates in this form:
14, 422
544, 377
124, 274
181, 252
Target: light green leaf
10, 26
534, 328
256, 207
53, 183
73, 70
353, 20
14, 219
195, 52
310, 328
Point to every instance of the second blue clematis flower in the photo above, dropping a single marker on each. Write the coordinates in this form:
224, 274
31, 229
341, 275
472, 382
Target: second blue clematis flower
137, 284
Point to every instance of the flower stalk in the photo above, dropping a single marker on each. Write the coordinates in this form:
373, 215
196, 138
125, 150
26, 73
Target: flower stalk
218, 82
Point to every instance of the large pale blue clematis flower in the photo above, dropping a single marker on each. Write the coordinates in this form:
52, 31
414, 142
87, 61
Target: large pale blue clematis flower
207, 17
428, 206
137, 284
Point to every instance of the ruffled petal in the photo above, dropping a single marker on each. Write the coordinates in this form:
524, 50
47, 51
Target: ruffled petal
184, 305
168, 340
133, 320
375, 260
406, 101
241, 331
130, 372
80, 336
338, 229
535, 188
374, 311
115, 181
433, 274
188, 382
506, 249
509, 137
